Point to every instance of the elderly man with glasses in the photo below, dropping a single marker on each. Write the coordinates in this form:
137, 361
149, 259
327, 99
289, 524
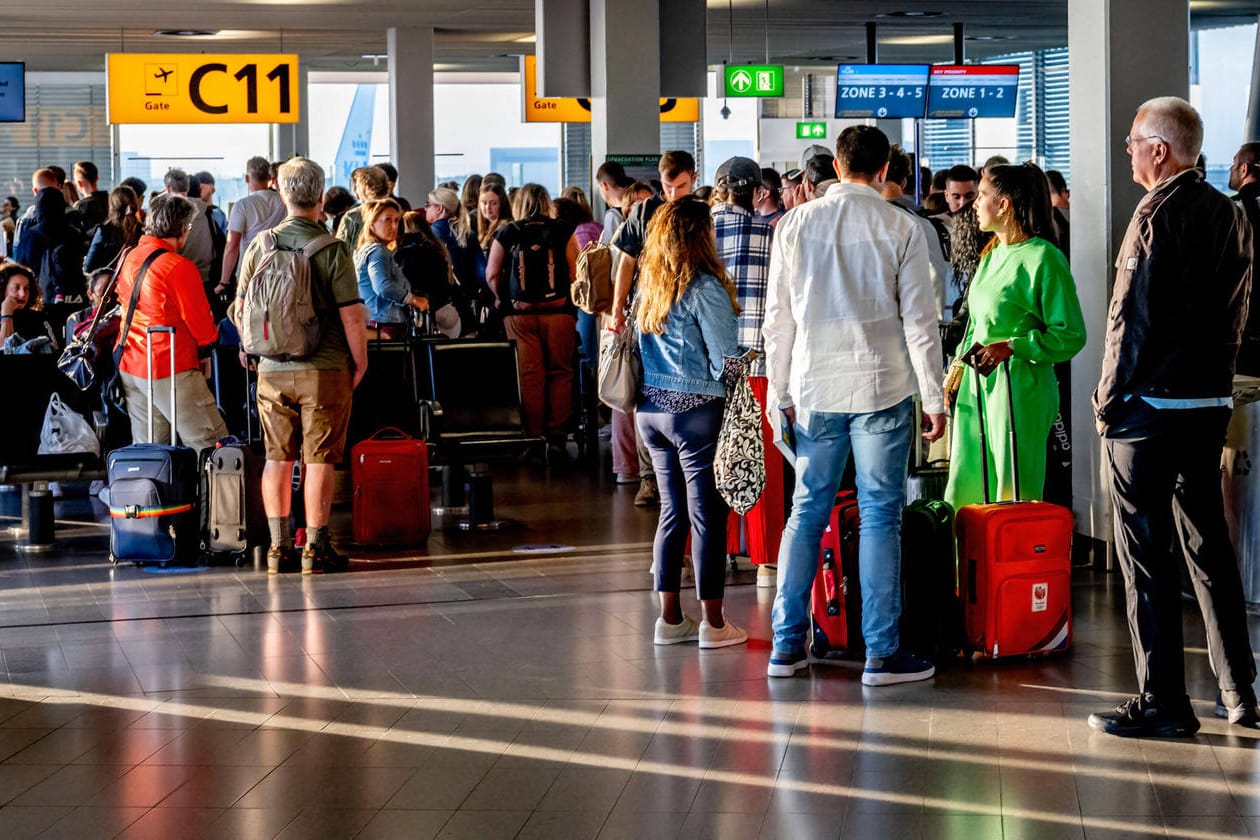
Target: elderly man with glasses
1163, 403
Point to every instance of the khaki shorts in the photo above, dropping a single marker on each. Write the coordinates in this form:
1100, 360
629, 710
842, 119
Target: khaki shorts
314, 402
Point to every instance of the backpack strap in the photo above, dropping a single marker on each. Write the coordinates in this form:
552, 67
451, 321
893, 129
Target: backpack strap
319, 243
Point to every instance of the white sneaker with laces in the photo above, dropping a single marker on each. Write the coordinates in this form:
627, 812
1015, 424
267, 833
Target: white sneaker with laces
767, 576
725, 636
672, 634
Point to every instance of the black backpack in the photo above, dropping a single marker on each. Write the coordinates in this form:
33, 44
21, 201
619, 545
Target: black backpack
538, 277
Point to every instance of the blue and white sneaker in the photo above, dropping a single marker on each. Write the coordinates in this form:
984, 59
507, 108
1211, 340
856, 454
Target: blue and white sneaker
786, 664
901, 667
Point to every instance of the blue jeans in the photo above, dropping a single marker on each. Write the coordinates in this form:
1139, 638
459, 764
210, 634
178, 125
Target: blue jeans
880, 442
682, 448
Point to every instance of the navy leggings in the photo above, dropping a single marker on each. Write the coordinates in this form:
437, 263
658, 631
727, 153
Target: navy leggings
682, 448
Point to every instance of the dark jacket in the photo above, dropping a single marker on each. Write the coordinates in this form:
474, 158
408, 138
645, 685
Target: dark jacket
1248, 199
1180, 297
56, 249
94, 209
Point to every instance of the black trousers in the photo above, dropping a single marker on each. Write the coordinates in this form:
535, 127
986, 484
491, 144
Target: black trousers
1165, 477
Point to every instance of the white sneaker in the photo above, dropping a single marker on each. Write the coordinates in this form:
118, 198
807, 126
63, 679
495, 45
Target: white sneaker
672, 634
767, 576
725, 636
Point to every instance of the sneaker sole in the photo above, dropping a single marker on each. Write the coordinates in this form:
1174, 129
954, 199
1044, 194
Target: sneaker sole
766, 583
885, 678
773, 670
657, 640
710, 644
1167, 730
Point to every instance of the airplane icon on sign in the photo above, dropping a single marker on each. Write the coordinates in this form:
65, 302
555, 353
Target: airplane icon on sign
162, 74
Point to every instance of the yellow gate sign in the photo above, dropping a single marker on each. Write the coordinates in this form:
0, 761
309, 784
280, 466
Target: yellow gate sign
191, 88
571, 109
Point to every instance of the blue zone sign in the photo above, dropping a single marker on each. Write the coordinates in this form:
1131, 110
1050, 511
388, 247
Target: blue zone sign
973, 90
881, 91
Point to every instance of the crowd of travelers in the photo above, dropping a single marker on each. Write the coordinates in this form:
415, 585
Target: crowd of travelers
866, 298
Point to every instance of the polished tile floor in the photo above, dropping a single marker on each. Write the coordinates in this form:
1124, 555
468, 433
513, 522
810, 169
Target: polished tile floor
479, 692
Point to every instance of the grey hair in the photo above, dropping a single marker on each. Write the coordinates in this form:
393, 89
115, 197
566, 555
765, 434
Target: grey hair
301, 183
176, 181
169, 215
1175, 121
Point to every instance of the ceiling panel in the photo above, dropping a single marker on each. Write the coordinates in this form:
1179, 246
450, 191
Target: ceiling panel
487, 34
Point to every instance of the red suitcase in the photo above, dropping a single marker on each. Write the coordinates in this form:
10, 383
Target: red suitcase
390, 476
1015, 566
836, 603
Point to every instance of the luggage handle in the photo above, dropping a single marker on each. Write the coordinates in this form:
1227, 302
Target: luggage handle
984, 445
830, 575
148, 352
390, 433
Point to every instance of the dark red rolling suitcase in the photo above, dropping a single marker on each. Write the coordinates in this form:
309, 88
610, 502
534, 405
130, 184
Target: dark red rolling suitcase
390, 476
836, 603
1014, 566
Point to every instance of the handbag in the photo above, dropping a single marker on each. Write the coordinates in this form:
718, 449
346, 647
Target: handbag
739, 463
953, 381
78, 360
620, 379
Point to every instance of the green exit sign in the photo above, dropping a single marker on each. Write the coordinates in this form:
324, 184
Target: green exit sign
811, 131
754, 80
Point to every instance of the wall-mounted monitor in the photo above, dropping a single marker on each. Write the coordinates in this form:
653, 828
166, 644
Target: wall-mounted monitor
968, 91
881, 91
12, 91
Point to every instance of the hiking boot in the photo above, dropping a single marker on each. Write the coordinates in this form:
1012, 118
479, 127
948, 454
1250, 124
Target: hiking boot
1139, 717
767, 576
786, 664
901, 667
323, 560
672, 634
648, 495
718, 637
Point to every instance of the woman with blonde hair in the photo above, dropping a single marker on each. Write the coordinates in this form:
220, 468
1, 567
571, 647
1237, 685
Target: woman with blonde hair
384, 290
494, 212
450, 221
686, 315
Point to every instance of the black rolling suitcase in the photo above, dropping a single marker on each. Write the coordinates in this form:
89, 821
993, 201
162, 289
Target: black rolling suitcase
931, 614
153, 492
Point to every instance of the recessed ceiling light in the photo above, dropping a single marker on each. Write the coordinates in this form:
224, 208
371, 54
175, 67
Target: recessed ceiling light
909, 14
988, 38
185, 33
375, 56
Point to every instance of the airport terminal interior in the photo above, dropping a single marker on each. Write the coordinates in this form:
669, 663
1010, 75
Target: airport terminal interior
503, 682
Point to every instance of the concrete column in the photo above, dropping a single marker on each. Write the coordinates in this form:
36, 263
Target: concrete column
625, 72
411, 109
289, 139
1123, 53
1251, 131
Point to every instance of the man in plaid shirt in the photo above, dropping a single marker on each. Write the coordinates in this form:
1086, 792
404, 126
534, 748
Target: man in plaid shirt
743, 243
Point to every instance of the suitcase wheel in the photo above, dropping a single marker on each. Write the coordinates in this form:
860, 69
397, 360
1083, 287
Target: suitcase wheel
113, 561
818, 650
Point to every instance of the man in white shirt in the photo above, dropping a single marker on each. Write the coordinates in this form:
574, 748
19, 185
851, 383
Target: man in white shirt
850, 337
261, 210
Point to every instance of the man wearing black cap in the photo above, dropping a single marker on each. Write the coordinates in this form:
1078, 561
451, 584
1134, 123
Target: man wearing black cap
743, 242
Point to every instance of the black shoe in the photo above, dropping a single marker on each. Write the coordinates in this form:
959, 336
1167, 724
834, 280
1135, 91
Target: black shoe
1239, 708
323, 560
1141, 718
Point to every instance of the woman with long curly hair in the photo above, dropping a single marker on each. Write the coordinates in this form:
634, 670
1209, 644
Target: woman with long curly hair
686, 314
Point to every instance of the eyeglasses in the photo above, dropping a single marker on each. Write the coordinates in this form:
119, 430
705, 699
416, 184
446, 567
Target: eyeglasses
1129, 141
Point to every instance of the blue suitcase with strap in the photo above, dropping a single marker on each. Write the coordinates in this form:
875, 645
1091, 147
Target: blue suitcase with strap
153, 491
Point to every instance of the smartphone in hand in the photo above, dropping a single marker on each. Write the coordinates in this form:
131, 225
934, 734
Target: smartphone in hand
972, 357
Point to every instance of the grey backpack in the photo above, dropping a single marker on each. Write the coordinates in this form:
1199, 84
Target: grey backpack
278, 319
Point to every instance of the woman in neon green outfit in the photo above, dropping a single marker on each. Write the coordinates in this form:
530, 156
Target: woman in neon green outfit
1024, 309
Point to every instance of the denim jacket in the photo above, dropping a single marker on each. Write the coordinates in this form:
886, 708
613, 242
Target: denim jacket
381, 285
700, 332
